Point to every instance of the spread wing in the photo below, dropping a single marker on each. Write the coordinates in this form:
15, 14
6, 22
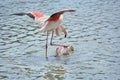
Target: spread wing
62, 11
38, 17
56, 15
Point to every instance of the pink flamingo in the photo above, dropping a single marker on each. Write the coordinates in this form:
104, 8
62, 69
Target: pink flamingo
51, 23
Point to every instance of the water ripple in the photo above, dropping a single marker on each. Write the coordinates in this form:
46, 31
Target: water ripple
93, 31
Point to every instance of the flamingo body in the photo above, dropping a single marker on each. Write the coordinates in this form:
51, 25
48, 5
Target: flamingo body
51, 24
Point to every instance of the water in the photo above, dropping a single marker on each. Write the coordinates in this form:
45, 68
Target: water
93, 30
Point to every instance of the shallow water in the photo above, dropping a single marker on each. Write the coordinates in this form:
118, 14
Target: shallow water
93, 30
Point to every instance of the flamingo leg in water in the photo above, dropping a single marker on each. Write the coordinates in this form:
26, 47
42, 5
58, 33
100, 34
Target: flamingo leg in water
46, 45
51, 43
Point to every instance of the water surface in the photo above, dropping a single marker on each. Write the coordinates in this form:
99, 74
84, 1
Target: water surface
93, 30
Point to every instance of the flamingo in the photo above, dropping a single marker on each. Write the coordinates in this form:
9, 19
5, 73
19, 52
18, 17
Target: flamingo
51, 23
60, 50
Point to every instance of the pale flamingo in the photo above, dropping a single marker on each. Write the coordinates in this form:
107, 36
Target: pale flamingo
60, 50
51, 23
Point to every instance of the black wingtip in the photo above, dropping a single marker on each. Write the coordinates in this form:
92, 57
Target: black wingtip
31, 16
19, 14
65, 35
22, 14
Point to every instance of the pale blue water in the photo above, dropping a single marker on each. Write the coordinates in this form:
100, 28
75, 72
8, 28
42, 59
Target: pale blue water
93, 30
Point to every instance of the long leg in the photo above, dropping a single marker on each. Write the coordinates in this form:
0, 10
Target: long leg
46, 46
55, 44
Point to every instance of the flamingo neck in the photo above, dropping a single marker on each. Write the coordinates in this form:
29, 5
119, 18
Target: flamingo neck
37, 14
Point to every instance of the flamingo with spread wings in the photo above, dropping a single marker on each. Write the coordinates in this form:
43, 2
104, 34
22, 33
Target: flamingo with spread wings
51, 23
